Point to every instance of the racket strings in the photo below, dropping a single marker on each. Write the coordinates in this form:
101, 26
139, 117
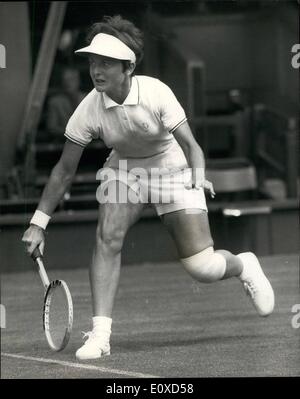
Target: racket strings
58, 315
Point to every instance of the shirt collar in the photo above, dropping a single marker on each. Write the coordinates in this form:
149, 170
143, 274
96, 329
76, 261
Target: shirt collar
131, 99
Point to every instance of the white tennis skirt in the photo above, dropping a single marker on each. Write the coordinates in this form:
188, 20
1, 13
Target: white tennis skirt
159, 180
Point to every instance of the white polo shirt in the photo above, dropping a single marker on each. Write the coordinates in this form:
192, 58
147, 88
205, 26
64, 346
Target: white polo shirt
141, 127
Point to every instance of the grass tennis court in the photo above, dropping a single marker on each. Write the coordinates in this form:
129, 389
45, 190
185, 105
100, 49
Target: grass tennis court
164, 325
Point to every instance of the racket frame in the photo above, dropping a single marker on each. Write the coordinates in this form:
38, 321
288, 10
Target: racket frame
46, 314
49, 289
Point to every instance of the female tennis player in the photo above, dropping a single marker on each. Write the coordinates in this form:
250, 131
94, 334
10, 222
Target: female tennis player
140, 118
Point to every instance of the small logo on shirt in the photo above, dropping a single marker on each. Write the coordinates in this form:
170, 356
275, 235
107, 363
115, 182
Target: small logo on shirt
145, 126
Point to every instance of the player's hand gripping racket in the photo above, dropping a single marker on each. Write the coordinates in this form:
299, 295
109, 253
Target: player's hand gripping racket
58, 308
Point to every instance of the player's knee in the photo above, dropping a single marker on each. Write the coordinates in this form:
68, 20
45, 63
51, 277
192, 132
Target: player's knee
206, 266
110, 240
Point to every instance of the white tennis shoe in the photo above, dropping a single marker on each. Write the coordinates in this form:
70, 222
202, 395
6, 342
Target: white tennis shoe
256, 284
94, 347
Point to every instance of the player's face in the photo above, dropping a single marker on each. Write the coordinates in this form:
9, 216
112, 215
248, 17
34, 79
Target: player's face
107, 73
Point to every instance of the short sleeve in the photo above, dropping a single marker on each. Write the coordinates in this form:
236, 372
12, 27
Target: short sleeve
79, 127
171, 112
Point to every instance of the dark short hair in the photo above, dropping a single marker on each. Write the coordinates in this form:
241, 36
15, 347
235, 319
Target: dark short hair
121, 28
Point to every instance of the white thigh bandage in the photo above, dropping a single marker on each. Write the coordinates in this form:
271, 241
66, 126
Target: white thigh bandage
206, 266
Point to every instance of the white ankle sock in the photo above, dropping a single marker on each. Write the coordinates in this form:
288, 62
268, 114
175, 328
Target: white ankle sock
102, 325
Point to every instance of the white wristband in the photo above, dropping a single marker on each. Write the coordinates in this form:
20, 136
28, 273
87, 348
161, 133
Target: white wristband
40, 219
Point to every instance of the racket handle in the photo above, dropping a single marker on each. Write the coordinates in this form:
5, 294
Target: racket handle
36, 254
43, 274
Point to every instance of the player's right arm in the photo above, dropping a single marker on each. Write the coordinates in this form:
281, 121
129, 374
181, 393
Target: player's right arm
61, 177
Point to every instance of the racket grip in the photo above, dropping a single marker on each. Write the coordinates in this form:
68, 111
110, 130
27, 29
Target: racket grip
36, 253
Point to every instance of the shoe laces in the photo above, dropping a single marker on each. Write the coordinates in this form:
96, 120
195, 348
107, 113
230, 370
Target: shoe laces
250, 288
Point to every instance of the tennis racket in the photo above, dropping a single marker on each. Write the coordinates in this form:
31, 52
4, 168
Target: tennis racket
58, 308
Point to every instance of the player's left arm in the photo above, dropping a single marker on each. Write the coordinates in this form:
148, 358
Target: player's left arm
194, 155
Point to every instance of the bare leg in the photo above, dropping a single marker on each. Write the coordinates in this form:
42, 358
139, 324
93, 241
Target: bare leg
234, 265
113, 224
191, 233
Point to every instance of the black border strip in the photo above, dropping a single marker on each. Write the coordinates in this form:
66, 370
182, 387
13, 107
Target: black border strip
74, 140
178, 124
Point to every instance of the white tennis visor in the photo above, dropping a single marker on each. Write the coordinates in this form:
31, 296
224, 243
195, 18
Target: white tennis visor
109, 46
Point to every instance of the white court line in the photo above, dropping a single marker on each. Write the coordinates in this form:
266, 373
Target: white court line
80, 366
